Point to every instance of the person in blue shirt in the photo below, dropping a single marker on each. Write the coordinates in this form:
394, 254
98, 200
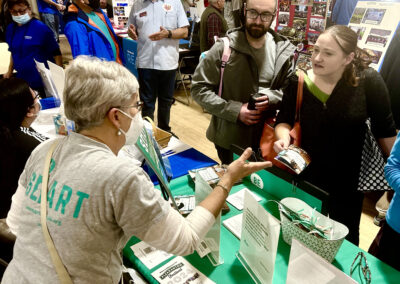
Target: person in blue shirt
388, 238
342, 11
49, 11
89, 31
29, 39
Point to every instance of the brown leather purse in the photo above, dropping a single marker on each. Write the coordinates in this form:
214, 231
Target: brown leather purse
268, 136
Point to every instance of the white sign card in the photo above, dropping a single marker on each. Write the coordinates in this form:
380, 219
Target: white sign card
180, 271
375, 23
234, 224
305, 266
212, 239
148, 255
259, 241
49, 86
58, 76
237, 198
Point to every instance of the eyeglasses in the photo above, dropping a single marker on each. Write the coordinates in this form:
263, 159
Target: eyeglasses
37, 95
18, 12
361, 261
138, 105
264, 16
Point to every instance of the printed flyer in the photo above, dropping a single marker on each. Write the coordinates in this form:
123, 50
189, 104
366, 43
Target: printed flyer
180, 271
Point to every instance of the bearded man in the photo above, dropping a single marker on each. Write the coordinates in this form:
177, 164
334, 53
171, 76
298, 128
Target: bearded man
260, 63
89, 31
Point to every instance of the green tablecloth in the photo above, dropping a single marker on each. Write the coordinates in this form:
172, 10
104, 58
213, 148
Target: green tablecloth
232, 271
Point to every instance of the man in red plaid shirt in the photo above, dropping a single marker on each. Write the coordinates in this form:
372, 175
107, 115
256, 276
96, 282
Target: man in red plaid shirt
212, 24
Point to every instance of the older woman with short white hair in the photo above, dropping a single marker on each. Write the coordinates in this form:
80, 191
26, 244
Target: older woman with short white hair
97, 201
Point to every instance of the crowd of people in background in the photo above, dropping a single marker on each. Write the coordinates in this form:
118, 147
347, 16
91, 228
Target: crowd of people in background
340, 93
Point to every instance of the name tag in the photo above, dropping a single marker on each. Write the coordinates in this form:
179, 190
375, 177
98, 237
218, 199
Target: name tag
28, 37
143, 14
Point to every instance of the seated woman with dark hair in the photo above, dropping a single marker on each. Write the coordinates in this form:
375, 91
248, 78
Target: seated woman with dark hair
19, 107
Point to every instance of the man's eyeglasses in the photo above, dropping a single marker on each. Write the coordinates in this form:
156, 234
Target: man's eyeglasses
138, 105
18, 12
264, 16
361, 261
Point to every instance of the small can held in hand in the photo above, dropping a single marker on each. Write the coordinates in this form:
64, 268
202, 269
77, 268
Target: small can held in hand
252, 102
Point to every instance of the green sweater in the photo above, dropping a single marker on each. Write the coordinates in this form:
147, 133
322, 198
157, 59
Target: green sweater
204, 28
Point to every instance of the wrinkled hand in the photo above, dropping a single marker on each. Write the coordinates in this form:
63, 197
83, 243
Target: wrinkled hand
262, 103
132, 32
163, 33
240, 168
249, 117
281, 144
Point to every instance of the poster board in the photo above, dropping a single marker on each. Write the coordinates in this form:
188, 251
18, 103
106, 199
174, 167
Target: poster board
301, 20
375, 23
121, 10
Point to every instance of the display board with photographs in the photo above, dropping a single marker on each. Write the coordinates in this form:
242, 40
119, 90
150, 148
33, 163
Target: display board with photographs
301, 21
121, 9
375, 23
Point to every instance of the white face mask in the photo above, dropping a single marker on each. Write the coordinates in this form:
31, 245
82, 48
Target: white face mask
133, 133
40, 108
21, 19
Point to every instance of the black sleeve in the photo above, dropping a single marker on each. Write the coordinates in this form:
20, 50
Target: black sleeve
287, 110
378, 105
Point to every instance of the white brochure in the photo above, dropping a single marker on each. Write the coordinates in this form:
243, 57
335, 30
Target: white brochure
148, 255
234, 224
211, 241
58, 76
237, 198
259, 241
179, 270
45, 74
305, 266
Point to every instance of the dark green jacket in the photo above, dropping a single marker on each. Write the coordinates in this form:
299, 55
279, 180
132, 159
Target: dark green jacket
240, 81
204, 28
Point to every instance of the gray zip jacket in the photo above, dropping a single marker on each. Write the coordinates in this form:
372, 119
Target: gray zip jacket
241, 80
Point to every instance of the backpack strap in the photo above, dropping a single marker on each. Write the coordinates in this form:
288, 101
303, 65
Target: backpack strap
225, 57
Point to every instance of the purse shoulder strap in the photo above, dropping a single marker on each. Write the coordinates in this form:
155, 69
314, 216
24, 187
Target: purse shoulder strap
55, 257
151, 122
299, 99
